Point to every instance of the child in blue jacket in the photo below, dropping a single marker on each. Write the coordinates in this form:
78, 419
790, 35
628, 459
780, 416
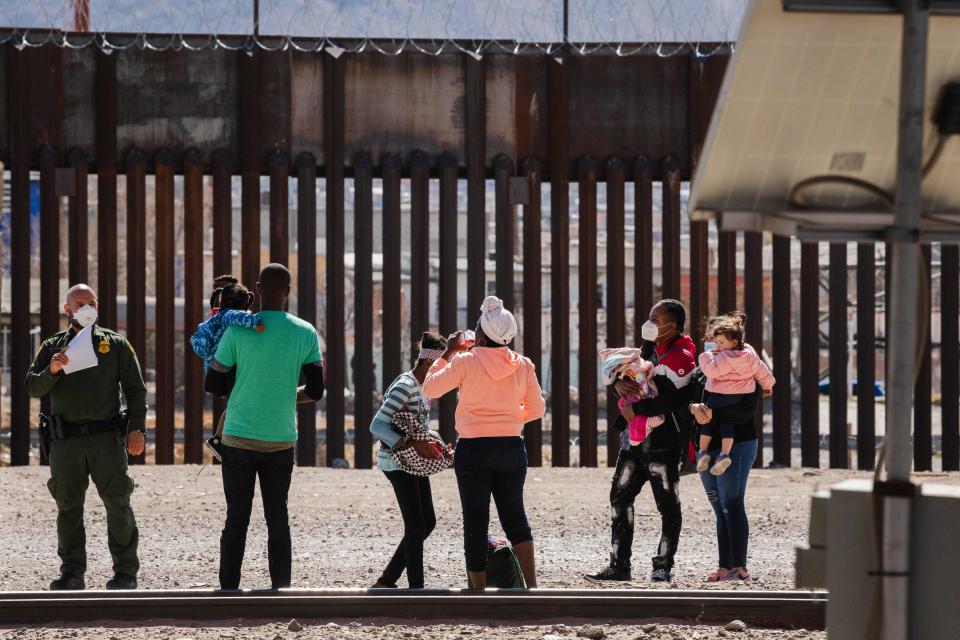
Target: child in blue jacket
229, 307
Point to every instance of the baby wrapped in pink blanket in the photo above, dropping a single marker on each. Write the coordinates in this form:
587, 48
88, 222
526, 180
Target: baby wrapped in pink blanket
626, 363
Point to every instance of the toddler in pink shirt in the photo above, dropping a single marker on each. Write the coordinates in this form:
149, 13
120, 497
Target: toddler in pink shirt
733, 370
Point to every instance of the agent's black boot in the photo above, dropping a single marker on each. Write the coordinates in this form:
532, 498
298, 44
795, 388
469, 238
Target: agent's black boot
122, 581
67, 582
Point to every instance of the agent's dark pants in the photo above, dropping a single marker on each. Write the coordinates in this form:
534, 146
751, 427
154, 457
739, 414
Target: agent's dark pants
485, 467
634, 469
416, 507
73, 462
241, 468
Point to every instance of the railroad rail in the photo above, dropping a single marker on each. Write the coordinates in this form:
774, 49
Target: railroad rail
772, 609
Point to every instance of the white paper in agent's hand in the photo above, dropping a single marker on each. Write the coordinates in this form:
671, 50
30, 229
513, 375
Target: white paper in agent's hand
80, 352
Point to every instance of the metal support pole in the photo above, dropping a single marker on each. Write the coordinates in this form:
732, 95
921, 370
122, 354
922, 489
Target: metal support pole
904, 292
904, 295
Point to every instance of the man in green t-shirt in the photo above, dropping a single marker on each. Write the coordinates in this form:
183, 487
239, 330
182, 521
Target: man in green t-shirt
260, 430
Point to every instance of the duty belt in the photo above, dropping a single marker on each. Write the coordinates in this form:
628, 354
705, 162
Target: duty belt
63, 430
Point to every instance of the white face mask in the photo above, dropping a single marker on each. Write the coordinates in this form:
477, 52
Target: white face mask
85, 315
649, 331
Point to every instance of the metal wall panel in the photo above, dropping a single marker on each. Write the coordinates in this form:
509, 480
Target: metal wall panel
194, 300
136, 170
866, 355
809, 355
532, 297
615, 303
307, 291
163, 362
363, 310
587, 308
335, 154
447, 278
839, 457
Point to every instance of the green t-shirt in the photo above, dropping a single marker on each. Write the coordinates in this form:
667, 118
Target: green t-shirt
263, 402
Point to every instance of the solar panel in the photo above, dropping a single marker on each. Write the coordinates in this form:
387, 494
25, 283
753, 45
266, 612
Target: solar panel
812, 94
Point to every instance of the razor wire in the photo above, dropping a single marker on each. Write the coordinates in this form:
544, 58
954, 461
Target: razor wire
388, 27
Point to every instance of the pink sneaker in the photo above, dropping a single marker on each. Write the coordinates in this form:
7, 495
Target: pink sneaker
737, 575
717, 576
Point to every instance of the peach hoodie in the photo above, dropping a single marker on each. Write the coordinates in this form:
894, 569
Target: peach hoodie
499, 392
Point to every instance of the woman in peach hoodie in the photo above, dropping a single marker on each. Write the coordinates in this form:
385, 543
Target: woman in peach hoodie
498, 394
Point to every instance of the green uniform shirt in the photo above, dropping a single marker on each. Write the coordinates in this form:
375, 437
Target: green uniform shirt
91, 395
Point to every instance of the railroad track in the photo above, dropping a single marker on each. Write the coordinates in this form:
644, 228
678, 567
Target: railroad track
772, 609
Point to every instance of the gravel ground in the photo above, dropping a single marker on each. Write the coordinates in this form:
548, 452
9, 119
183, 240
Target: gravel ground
345, 525
346, 630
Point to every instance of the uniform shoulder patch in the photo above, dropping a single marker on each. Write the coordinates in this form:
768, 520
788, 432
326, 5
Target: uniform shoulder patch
118, 340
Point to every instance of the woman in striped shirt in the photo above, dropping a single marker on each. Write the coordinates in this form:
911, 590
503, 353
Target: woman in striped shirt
413, 492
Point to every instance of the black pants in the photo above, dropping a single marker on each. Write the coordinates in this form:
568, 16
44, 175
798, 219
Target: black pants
241, 468
485, 467
416, 507
634, 469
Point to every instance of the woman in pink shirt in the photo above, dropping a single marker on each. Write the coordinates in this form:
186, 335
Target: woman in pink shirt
498, 394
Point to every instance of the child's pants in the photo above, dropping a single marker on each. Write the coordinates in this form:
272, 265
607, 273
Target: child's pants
718, 401
640, 425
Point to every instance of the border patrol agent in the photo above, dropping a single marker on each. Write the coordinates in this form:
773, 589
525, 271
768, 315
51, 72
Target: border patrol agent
89, 438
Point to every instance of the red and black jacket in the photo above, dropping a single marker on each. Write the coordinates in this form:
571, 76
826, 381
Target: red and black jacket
674, 363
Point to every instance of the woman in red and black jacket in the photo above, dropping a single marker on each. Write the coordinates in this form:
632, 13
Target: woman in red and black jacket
657, 459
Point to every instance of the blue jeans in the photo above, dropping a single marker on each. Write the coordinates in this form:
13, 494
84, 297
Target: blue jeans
725, 493
485, 467
718, 401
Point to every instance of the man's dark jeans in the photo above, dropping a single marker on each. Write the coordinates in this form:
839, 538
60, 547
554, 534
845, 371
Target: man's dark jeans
241, 467
635, 469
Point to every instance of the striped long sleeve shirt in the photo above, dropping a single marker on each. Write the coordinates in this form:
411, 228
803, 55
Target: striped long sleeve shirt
404, 394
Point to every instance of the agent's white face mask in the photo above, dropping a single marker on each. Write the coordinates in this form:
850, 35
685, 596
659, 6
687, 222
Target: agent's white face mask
649, 331
85, 315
